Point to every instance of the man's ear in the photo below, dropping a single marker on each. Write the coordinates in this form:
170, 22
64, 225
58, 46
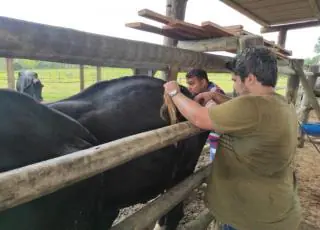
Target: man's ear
251, 79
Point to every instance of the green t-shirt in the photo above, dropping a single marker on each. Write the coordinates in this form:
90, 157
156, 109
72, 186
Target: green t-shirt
252, 184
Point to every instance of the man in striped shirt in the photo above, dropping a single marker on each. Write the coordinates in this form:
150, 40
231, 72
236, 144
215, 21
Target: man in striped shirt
198, 82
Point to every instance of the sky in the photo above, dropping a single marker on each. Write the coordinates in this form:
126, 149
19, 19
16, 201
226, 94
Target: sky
109, 18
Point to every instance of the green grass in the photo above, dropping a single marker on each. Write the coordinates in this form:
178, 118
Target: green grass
62, 83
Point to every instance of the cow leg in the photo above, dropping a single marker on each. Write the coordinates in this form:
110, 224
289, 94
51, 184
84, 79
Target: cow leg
171, 220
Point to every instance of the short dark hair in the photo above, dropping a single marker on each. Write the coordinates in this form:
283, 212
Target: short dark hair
259, 61
199, 73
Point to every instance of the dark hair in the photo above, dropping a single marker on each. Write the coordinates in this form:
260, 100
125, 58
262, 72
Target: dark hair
259, 61
199, 73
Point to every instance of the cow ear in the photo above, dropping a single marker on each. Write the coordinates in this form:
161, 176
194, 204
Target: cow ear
31, 132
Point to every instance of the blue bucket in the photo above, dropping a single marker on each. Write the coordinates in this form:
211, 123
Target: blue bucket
312, 129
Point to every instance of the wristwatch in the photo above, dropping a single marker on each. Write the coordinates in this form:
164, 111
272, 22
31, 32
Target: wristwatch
173, 93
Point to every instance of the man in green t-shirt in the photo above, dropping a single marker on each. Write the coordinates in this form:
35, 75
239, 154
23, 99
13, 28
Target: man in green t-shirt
252, 184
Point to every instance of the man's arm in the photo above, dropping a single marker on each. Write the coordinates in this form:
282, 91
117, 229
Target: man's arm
193, 112
237, 116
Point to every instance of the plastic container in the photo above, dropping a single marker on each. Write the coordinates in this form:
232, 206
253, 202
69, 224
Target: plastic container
312, 129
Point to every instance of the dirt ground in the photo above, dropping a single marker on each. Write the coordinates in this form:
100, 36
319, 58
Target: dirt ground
308, 173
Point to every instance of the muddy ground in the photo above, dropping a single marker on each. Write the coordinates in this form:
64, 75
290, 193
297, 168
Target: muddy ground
308, 172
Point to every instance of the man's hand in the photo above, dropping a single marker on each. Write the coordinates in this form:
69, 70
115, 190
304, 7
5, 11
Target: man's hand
171, 86
218, 98
203, 98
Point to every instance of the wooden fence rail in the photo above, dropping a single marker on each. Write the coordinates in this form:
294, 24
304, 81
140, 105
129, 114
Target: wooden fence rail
22, 39
155, 209
27, 183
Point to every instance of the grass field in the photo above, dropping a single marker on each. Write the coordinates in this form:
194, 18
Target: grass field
62, 83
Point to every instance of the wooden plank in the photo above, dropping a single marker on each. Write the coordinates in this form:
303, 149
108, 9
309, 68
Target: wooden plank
183, 34
228, 44
270, 29
153, 211
154, 16
216, 29
28, 40
153, 29
27, 183
191, 28
234, 27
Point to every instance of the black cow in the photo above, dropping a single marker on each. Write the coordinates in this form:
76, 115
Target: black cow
104, 112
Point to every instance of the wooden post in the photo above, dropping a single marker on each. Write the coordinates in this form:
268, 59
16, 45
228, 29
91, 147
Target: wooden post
10, 73
81, 77
282, 37
305, 108
297, 66
293, 85
98, 73
175, 9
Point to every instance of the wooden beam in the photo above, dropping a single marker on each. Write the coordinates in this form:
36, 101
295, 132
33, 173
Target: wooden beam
21, 39
10, 73
153, 29
155, 16
228, 44
234, 28
158, 207
315, 8
27, 183
216, 29
180, 34
245, 12
300, 25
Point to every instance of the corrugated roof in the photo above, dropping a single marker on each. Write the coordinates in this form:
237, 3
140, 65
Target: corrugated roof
274, 12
